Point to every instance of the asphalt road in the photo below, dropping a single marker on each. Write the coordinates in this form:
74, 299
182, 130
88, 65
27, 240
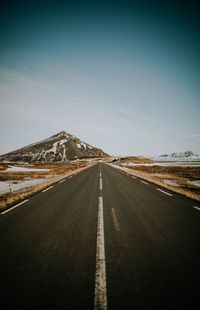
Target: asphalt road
101, 240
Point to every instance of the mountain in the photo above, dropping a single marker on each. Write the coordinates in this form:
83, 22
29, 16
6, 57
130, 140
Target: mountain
187, 155
58, 148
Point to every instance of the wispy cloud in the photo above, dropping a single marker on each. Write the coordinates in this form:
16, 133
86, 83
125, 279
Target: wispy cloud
194, 136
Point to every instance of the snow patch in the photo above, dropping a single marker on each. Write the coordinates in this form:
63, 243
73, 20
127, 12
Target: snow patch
170, 182
7, 186
64, 154
54, 148
196, 183
61, 142
84, 145
139, 164
24, 169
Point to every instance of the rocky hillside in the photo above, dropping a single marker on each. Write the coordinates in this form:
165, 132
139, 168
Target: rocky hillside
187, 155
58, 148
133, 160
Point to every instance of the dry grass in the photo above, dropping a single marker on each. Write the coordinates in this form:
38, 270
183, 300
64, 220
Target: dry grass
54, 170
191, 173
106, 159
57, 172
180, 175
136, 160
3, 166
11, 198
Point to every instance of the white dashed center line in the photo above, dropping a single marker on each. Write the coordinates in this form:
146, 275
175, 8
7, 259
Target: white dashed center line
100, 184
100, 302
197, 208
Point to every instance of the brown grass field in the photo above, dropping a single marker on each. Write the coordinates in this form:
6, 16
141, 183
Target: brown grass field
55, 173
136, 159
181, 176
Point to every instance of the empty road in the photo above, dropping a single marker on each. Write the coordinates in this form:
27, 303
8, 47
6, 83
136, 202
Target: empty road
101, 239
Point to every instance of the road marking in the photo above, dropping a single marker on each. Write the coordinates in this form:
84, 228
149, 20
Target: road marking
100, 174
158, 189
100, 184
45, 190
100, 302
62, 181
70, 177
197, 208
116, 223
17, 205
133, 177
144, 182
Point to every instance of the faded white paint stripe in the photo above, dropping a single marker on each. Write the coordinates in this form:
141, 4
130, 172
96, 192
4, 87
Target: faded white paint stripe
133, 177
100, 184
166, 193
197, 208
62, 181
144, 182
45, 190
17, 205
116, 223
100, 302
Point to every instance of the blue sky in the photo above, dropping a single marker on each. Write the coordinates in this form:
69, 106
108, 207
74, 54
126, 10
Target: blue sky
120, 75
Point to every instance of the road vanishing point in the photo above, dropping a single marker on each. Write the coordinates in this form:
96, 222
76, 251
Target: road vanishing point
101, 239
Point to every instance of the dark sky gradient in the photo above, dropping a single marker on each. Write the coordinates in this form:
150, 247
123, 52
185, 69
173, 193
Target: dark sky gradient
120, 62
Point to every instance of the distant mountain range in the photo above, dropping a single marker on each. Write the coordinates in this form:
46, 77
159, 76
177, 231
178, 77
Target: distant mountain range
60, 147
187, 155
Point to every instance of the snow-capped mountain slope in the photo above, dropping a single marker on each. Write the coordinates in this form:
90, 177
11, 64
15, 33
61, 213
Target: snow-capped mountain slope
187, 155
60, 147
